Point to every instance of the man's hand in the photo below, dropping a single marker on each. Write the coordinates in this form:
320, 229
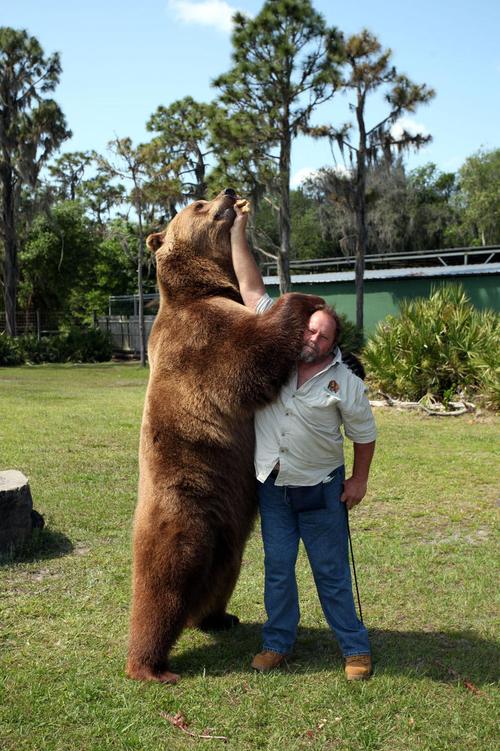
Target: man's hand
354, 492
242, 211
355, 486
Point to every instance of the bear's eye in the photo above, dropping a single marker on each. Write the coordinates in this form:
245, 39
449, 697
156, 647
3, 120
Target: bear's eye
198, 205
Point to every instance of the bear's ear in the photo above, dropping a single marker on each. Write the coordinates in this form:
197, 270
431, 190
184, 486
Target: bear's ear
155, 241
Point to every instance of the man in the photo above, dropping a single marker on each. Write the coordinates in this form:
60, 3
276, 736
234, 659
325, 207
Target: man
300, 468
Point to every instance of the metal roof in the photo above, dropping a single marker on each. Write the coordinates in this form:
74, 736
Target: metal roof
410, 272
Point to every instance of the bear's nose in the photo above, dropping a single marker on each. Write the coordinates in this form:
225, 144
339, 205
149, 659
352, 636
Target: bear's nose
230, 192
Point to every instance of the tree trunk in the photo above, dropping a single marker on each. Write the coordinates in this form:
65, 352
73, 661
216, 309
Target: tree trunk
10, 248
16, 506
360, 204
284, 214
142, 327
359, 268
199, 171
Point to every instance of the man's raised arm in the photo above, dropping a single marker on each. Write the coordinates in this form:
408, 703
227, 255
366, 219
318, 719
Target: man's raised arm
245, 267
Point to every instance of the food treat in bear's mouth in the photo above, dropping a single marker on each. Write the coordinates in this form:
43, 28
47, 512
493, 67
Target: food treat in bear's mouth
243, 205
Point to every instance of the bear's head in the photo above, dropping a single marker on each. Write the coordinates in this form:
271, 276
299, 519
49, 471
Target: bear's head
193, 254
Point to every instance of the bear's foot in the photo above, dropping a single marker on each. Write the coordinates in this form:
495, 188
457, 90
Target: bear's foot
144, 673
218, 622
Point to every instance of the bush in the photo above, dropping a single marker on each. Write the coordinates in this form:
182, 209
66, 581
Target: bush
35, 351
73, 345
351, 337
9, 351
440, 346
84, 345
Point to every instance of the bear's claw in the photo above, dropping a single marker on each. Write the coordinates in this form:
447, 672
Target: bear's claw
148, 674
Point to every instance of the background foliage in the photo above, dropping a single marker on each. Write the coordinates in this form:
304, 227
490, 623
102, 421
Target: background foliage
70, 228
441, 346
76, 344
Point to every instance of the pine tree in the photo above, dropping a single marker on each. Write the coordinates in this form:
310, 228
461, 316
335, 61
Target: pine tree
284, 61
368, 69
31, 128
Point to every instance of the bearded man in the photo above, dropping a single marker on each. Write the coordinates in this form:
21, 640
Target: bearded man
303, 493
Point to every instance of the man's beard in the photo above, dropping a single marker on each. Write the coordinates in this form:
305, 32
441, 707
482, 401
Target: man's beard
308, 354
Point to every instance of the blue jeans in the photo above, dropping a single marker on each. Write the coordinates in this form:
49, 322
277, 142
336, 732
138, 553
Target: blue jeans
324, 534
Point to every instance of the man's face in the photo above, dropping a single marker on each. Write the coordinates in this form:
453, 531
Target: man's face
319, 337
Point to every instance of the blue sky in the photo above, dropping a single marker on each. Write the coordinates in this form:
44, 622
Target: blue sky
122, 59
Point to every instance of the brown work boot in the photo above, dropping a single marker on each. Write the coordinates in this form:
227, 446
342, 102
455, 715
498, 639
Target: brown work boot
358, 667
267, 660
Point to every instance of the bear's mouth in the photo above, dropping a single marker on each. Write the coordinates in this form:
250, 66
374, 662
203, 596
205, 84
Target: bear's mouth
228, 214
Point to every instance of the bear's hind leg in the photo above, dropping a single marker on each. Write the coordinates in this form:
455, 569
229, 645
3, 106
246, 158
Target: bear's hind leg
217, 618
158, 618
169, 575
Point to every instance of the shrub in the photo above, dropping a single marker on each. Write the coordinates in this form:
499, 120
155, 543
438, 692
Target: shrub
73, 345
36, 351
439, 345
84, 345
9, 351
351, 337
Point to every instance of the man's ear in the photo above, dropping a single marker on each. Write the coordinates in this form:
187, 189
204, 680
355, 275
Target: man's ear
155, 241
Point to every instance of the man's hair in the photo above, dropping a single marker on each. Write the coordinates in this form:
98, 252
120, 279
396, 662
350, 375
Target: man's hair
352, 362
336, 318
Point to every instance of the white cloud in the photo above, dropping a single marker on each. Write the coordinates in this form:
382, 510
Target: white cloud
216, 13
301, 175
407, 125
306, 172
342, 170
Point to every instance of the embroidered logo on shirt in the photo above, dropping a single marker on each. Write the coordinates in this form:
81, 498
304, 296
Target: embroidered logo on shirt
333, 386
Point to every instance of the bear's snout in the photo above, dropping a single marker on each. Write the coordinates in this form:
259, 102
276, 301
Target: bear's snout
224, 205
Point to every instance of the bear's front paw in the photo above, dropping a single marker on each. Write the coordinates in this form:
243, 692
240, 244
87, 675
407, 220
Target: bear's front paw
307, 304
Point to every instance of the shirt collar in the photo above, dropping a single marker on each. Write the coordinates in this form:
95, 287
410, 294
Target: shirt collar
337, 356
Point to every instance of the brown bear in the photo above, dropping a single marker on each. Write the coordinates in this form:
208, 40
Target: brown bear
212, 363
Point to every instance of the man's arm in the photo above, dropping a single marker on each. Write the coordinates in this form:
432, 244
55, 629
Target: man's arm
246, 269
355, 486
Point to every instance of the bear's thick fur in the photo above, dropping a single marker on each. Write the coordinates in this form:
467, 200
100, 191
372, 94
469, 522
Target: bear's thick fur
212, 363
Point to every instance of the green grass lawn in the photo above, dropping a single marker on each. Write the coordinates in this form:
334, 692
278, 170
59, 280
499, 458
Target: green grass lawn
425, 549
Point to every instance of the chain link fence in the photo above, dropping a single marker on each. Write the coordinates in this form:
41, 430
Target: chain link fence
123, 329
35, 322
124, 332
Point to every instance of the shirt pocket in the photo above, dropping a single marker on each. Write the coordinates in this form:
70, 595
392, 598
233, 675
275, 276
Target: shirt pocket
319, 410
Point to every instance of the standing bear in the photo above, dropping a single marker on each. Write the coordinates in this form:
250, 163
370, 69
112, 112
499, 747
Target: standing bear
212, 363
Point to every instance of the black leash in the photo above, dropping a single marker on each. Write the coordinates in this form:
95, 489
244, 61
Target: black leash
353, 564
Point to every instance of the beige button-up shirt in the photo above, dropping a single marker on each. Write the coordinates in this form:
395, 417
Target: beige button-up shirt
302, 427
